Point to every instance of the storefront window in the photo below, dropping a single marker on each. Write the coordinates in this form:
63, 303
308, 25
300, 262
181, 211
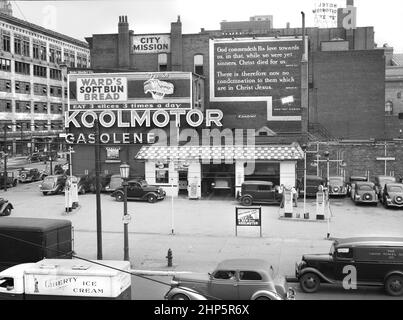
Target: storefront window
389, 108
161, 173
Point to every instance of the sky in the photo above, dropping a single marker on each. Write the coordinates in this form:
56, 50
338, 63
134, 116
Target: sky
80, 19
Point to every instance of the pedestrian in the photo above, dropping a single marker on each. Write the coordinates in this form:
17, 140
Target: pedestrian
281, 192
294, 196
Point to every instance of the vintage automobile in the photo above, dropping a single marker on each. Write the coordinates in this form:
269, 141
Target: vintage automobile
378, 261
61, 169
258, 192
140, 190
53, 184
352, 181
380, 182
5, 207
312, 185
12, 180
114, 183
87, 183
31, 175
365, 192
338, 186
392, 195
237, 279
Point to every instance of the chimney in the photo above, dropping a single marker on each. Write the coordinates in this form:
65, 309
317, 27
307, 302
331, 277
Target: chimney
123, 43
176, 45
288, 25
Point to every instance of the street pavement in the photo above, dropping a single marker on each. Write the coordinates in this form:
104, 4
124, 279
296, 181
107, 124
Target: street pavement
204, 234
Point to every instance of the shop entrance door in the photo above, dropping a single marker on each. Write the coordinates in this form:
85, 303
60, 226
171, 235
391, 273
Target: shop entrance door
183, 182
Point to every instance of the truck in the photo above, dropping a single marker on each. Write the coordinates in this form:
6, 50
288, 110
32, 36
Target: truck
67, 279
27, 240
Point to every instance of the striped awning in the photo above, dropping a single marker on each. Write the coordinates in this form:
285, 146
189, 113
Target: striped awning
261, 152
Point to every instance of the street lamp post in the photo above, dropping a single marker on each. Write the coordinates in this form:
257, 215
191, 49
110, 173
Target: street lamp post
327, 155
304, 147
124, 173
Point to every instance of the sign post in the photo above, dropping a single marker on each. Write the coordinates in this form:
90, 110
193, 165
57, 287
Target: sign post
248, 217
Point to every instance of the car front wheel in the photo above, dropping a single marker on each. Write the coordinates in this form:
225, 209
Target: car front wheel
309, 282
7, 211
151, 198
119, 196
180, 296
247, 201
262, 298
394, 285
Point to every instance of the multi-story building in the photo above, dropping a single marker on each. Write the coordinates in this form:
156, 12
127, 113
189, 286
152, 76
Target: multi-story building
33, 87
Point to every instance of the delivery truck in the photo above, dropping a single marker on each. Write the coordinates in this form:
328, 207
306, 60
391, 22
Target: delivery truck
27, 240
67, 279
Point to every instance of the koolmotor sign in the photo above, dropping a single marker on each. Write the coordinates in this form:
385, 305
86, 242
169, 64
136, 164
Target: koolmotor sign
264, 69
138, 90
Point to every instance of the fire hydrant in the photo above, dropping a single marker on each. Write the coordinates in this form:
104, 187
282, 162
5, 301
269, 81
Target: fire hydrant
169, 257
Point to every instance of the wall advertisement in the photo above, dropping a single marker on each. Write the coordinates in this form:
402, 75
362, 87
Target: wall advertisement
263, 69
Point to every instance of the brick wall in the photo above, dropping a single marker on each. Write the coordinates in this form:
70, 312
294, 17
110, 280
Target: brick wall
349, 93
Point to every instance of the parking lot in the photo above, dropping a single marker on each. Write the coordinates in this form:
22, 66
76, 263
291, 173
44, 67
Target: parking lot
204, 230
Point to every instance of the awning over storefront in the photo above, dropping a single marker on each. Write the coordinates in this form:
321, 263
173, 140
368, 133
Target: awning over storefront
246, 153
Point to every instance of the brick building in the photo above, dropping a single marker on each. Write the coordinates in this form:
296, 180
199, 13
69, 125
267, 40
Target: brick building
33, 93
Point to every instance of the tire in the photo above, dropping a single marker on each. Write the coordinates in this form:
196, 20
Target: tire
45, 193
394, 285
180, 296
247, 201
15, 182
119, 196
151, 198
7, 211
81, 190
309, 282
262, 298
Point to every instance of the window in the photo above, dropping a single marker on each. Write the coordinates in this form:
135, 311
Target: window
66, 57
40, 89
25, 48
162, 62
55, 74
17, 46
5, 105
224, 274
21, 106
72, 60
58, 56
35, 50
389, 108
5, 85
264, 188
161, 173
55, 91
22, 87
198, 64
5, 65
6, 43
39, 71
249, 275
22, 68
52, 55
43, 52
344, 253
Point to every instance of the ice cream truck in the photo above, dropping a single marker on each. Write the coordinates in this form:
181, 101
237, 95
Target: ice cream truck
67, 279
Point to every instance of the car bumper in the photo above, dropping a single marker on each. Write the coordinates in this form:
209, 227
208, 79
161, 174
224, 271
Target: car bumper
392, 204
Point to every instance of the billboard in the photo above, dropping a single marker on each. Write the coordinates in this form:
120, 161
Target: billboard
150, 44
325, 14
136, 91
255, 70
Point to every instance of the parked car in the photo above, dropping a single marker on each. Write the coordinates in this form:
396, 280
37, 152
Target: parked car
53, 184
140, 190
31, 175
61, 169
45, 155
352, 181
365, 192
5, 207
380, 182
85, 184
12, 179
338, 186
238, 279
114, 183
378, 261
34, 157
392, 195
312, 185
258, 192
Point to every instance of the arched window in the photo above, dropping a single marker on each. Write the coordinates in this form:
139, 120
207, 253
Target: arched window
389, 108
198, 64
162, 62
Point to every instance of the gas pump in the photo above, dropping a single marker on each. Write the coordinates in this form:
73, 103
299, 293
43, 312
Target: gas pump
68, 196
288, 203
320, 204
74, 191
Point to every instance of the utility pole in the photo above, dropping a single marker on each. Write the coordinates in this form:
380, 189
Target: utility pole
5, 158
98, 192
